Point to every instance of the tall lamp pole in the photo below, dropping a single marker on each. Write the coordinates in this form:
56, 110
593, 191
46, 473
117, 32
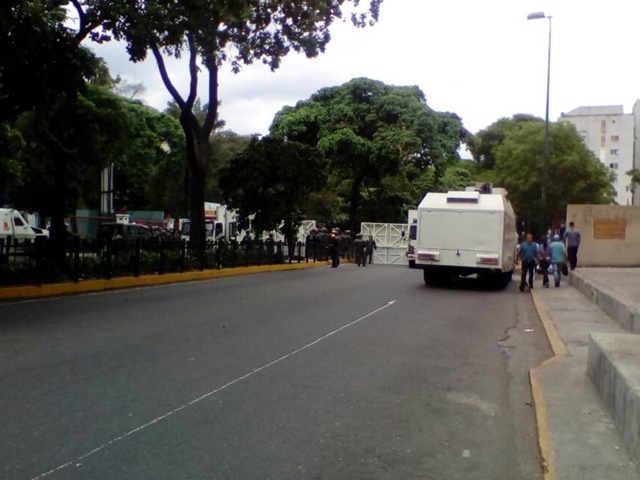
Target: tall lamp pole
545, 151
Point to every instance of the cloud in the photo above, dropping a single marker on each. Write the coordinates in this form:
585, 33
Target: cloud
481, 60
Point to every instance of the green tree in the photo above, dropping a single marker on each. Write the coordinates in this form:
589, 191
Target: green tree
484, 144
68, 149
576, 175
634, 181
149, 174
209, 34
43, 76
225, 145
272, 179
379, 140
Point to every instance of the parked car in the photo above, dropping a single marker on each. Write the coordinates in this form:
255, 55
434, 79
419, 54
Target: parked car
123, 231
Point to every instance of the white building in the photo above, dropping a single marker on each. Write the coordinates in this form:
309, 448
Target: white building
612, 136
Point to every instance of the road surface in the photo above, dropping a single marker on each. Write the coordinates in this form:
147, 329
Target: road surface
319, 374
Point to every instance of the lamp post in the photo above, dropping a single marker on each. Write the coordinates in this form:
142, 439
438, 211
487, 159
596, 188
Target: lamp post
545, 151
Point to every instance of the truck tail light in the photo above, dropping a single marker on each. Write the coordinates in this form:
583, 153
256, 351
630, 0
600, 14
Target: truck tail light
430, 256
488, 259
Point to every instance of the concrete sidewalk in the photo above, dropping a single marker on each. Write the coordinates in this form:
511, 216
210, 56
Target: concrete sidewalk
578, 437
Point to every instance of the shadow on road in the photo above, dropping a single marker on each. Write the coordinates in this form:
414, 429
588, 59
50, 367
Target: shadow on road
470, 284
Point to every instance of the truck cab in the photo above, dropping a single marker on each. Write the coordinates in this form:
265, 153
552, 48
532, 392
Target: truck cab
13, 225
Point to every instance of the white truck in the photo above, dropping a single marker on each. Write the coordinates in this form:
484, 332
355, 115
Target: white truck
13, 224
466, 233
219, 222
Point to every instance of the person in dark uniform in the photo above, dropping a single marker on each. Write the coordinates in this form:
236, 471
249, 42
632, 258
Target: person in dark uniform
333, 247
346, 245
270, 246
310, 244
369, 248
359, 246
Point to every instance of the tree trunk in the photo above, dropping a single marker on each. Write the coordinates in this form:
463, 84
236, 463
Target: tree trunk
197, 157
354, 204
58, 231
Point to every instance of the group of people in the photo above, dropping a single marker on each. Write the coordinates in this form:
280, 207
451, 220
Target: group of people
551, 253
324, 245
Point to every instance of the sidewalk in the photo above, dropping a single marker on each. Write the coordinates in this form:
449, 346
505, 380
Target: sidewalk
577, 435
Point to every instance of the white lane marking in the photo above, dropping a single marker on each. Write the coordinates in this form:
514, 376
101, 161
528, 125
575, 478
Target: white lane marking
212, 392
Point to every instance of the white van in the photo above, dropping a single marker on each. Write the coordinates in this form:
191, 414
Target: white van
466, 233
13, 225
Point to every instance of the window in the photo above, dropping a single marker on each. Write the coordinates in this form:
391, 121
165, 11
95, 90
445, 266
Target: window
615, 138
615, 193
614, 151
613, 166
18, 222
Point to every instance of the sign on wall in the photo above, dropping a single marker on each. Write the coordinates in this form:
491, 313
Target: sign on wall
609, 228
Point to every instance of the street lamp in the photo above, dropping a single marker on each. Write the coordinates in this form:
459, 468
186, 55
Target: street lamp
545, 152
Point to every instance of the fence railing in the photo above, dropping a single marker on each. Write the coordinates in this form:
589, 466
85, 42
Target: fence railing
32, 262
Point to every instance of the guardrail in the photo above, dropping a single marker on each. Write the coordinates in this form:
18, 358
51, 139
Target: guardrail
32, 262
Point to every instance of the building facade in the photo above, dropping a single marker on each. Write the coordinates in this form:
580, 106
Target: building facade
612, 136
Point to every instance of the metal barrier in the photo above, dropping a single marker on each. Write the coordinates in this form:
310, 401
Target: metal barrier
32, 262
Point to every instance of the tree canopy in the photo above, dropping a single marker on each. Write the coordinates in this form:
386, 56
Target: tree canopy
382, 142
576, 175
209, 34
484, 144
271, 179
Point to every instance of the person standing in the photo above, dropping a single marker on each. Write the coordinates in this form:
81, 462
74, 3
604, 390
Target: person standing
528, 254
270, 245
333, 245
572, 238
359, 246
346, 244
558, 258
544, 260
370, 246
310, 250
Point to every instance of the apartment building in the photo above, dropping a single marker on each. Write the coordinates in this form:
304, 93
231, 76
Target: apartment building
611, 135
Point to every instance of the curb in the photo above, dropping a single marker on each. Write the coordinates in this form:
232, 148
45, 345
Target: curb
86, 286
617, 309
559, 350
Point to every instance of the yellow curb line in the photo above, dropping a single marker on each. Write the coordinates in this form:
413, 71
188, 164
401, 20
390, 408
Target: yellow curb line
557, 345
559, 350
85, 286
544, 437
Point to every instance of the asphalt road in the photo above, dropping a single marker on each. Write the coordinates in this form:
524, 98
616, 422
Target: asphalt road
319, 374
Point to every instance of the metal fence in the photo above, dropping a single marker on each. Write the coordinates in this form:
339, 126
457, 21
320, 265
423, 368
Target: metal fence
32, 263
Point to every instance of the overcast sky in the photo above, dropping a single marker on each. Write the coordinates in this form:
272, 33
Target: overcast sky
480, 59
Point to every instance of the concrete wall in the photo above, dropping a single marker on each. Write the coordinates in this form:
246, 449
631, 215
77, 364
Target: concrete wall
607, 252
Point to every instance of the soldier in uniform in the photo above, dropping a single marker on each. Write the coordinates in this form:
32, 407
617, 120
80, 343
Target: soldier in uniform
270, 245
369, 248
346, 244
333, 246
359, 246
310, 244
323, 244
